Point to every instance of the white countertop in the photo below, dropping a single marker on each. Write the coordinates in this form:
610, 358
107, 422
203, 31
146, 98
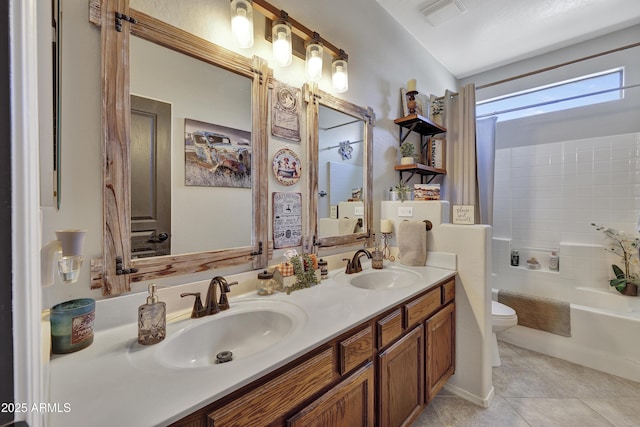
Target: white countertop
110, 382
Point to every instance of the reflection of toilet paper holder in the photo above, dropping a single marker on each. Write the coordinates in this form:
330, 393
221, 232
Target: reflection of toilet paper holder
63, 255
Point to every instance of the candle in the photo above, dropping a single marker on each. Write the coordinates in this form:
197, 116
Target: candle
386, 226
411, 85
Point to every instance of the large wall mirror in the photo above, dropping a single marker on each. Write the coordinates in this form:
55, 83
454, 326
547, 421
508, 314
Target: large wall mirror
340, 135
184, 152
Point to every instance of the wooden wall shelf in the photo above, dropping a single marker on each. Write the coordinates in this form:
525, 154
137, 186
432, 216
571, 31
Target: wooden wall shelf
421, 170
417, 123
425, 128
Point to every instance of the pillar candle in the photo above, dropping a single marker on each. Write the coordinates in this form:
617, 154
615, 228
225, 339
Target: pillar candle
411, 85
386, 226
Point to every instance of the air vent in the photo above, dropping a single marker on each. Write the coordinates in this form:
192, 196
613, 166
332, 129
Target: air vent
439, 11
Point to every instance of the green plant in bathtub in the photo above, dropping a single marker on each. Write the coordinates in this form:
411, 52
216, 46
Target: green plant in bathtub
626, 247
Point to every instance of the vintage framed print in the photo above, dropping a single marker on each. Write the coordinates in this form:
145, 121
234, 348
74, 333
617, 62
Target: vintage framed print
287, 219
286, 166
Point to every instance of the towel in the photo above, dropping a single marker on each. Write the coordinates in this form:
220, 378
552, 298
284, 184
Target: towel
412, 243
544, 314
347, 225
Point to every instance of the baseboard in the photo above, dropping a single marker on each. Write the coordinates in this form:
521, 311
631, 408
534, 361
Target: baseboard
485, 402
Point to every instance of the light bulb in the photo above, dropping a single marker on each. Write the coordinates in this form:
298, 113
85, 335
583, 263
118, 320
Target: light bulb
314, 62
242, 23
282, 50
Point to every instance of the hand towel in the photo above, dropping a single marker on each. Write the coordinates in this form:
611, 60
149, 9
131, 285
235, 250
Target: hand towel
347, 225
412, 243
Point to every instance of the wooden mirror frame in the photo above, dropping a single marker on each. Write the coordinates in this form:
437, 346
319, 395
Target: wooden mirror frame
116, 127
314, 98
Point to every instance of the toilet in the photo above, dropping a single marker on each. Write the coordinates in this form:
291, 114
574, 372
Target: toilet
503, 317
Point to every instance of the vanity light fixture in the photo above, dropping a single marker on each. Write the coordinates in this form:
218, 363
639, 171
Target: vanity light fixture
281, 37
242, 22
313, 60
339, 72
290, 36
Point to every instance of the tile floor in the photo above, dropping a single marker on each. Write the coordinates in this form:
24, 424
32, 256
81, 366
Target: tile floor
536, 390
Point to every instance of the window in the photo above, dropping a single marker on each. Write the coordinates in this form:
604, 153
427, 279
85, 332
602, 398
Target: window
586, 90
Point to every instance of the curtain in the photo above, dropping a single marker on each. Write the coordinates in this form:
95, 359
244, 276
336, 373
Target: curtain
461, 187
486, 153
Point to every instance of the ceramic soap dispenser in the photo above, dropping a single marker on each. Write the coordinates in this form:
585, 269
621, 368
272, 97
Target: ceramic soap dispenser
152, 319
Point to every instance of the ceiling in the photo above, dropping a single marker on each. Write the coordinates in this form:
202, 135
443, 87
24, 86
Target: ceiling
471, 36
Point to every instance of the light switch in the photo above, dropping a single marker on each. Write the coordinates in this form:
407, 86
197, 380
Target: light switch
405, 211
358, 210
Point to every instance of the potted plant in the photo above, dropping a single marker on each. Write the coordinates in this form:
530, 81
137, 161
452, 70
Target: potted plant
403, 190
407, 149
626, 247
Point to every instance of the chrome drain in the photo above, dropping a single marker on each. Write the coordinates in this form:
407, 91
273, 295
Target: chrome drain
224, 357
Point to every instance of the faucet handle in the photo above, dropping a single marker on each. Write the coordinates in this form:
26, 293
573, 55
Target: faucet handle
349, 268
224, 289
198, 310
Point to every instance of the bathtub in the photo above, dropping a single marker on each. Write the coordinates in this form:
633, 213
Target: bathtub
605, 326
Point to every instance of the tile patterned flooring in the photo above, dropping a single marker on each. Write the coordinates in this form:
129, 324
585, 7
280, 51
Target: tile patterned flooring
536, 390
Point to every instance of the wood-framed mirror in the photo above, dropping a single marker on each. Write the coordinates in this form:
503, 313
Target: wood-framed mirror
340, 158
218, 151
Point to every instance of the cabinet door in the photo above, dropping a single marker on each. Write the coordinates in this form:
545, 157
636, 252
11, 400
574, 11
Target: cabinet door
440, 351
348, 404
401, 377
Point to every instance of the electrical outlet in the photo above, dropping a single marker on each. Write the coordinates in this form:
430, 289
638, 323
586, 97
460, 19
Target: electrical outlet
405, 211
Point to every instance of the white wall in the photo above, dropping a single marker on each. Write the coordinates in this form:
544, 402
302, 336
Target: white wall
377, 70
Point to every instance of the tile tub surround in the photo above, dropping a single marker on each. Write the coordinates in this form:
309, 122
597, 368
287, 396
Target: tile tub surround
533, 389
332, 307
602, 320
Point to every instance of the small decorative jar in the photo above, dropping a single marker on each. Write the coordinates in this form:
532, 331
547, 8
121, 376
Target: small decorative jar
324, 270
266, 283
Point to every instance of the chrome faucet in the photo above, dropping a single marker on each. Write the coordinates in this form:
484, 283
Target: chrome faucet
353, 265
211, 304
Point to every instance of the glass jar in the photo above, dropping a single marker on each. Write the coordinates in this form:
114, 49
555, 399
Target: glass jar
324, 270
266, 283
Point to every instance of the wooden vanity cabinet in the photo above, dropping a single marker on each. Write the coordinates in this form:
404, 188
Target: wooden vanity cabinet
348, 404
414, 368
380, 373
401, 380
440, 349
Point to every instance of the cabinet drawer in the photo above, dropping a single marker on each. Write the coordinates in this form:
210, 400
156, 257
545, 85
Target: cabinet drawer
448, 292
355, 350
389, 328
420, 308
264, 404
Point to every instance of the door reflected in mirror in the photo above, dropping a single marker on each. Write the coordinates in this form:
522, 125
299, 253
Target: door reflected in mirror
341, 154
205, 210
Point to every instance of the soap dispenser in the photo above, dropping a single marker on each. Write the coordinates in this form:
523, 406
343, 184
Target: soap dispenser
152, 319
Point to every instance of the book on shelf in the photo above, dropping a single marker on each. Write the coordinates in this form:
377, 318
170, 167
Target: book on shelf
436, 153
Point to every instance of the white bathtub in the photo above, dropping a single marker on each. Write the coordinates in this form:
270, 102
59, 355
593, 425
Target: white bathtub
605, 326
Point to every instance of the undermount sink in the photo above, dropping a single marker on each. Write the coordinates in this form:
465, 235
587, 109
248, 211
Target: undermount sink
248, 328
389, 278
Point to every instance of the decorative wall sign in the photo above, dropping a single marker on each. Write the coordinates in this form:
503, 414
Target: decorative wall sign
216, 156
286, 166
285, 111
345, 150
287, 219
463, 214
